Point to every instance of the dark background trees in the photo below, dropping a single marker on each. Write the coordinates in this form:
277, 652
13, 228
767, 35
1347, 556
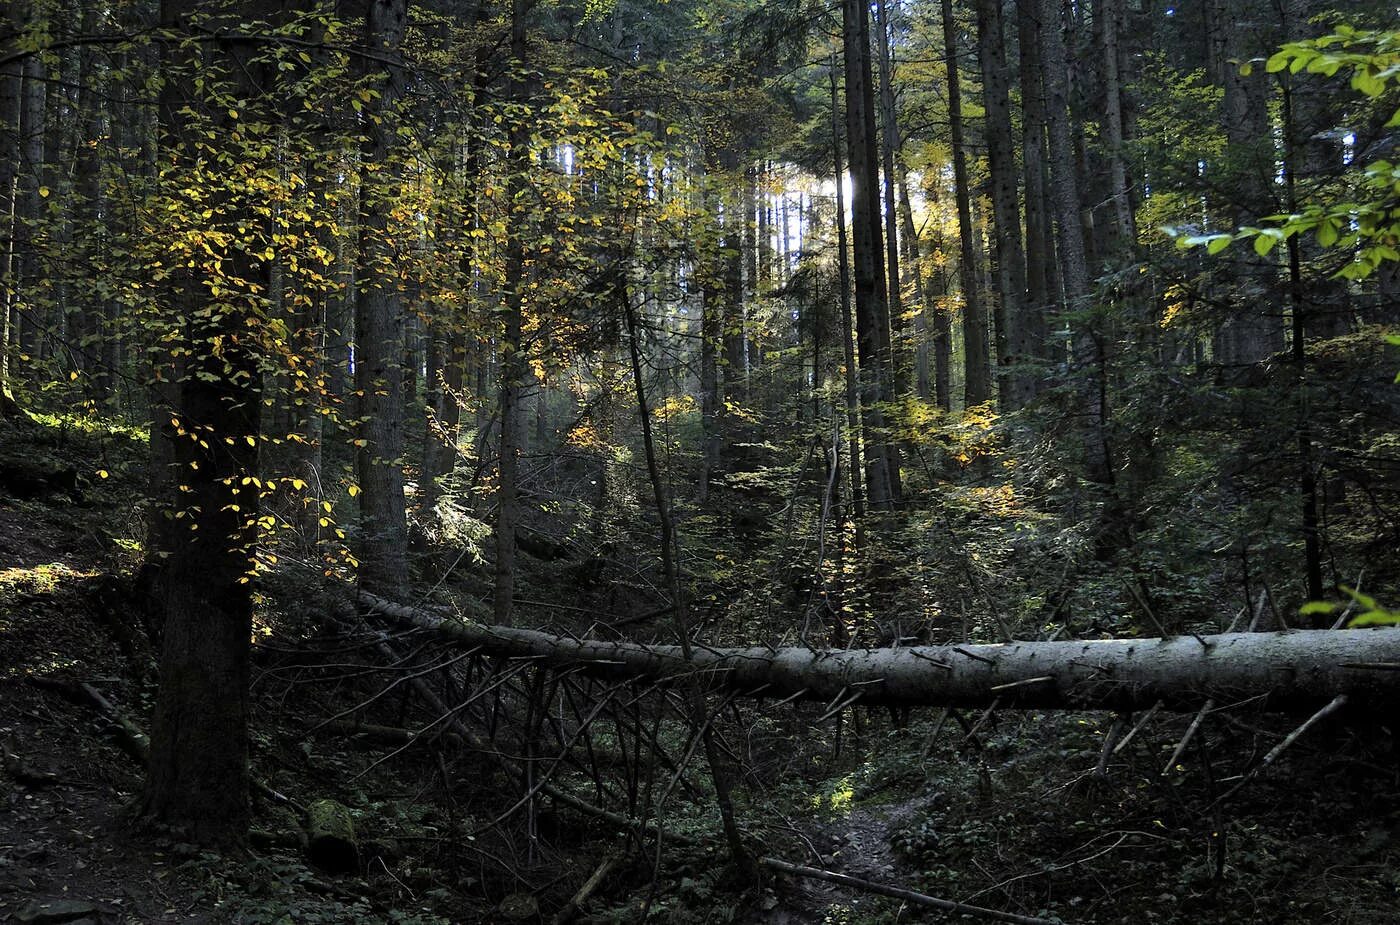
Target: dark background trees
873, 320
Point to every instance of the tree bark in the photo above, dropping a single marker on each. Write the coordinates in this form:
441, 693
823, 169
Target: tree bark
1040, 246
890, 153
512, 340
198, 773
379, 317
1010, 267
1295, 671
1074, 269
843, 265
977, 383
872, 313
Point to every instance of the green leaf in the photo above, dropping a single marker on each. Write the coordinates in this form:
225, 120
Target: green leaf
1375, 618
1264, 243
1365, 600
1277, 62
1327, 233
1218, 243
1316, 607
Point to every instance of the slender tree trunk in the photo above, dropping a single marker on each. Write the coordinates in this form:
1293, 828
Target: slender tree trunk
1040, 246
847, 336
720, 773
1074, 270
512, 340
1124, 235
1307, 476
978, 377
10, 89
889, 154
380, 317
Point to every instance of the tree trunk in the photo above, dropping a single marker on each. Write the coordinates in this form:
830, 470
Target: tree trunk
1291, 671
977, 384
379, 317
513, 339
1040, 246
1074, 270
198, 773
889, 153
1017, 386
10, 82
872, 318
843, 265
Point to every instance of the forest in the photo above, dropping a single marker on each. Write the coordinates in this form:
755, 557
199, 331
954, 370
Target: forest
699, 461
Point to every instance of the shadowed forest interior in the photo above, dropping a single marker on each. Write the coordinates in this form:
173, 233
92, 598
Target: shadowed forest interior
745, 461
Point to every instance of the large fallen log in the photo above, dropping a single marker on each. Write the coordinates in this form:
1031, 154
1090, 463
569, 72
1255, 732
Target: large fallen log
1296, 671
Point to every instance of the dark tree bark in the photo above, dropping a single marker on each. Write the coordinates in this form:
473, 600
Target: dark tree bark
843, 264
1074, 270
380, 314
10, 89
977, 384
1016, 388
513, 367
872, 317
1040, 244
890, 155
198, 772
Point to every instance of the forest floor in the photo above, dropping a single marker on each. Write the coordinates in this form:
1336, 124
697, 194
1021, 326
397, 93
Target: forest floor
1009, 818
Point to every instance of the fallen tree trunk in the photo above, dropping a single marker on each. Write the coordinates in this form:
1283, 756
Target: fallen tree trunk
1290, 671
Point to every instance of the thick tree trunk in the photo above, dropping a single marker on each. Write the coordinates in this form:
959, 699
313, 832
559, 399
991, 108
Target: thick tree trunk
198, 773
1291, 671
379, 319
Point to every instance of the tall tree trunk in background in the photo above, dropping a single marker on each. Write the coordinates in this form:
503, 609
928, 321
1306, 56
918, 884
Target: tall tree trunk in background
1254, 330
1088, 350
872, 319
444, 426
712, 299
380, 314
27, 323
735, 366
1040, 241
1124, 235
978, 377
847, 337
889, 154
10, 83
513, 338
1298, 303
1006, 216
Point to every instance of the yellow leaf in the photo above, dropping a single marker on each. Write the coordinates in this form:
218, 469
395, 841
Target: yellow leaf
72, 376
44, 192
354, 490
101, 473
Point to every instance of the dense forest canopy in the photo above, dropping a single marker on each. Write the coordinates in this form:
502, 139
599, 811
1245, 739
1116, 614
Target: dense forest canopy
624, 420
